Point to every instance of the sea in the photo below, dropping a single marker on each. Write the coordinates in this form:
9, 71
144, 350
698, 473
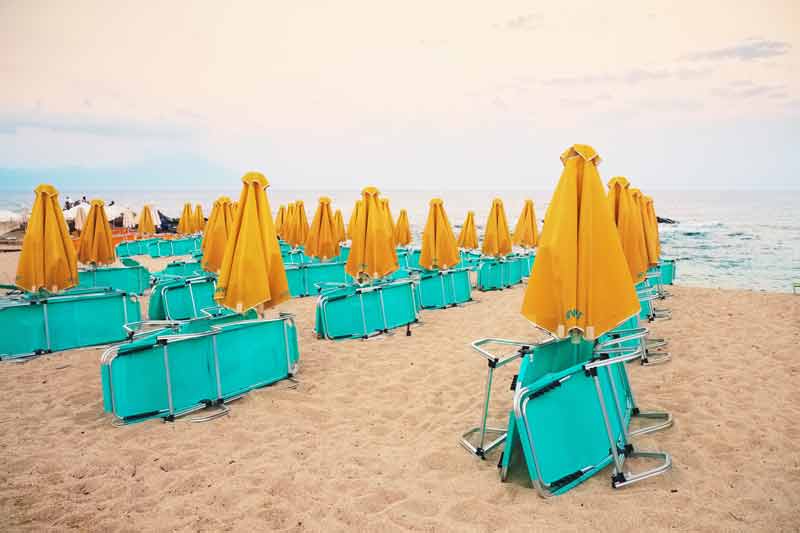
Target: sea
725, 239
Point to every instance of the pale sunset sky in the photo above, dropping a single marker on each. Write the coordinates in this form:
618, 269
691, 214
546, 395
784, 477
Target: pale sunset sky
402, 95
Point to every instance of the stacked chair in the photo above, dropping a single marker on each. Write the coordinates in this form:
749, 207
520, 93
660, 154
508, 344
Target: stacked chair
131, 278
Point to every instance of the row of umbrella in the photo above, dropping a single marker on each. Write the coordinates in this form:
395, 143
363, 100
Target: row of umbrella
635, 217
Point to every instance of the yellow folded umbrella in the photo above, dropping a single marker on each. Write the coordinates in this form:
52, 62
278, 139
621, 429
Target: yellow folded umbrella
439, 249
353, 216
580, 283
496, 239
280, 218
302, 223
338, 220
146, 225
186, 222
252, 272
388, 213
96, 246
322, 241
468, 237
288, 223
218, 230
48, 260
199, 219
650, 245
526, 232
653, 220
372, 251
629, 227
402, 230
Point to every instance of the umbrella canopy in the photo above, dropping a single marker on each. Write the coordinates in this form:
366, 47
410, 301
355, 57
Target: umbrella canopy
468, 238
80, 217
580, 283
280, 218
629, 226
402, 230
252, 272
652, 225
218, 230
351, 224
128, 218
496, 239
643, 219
48, 260
301, 218
199, 219
96, 245
321, 241
288, 222
439, 249
388, 213
186, 222
146, 225
338, 221
526, 233
372, 251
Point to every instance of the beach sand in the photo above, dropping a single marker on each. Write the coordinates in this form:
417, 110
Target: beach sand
367, 437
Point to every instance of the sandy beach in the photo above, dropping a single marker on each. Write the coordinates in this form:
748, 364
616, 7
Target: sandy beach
366, 438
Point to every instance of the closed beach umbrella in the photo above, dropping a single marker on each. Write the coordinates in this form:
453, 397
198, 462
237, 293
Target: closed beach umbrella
580, 283
280, 218
388, 213
199, 219
288, 223
402, 230
146, 225
301, 218
629, 226
252, 272
650, 214
643, 220
353, 215
80, 217
526, 233
128, 218
218, 230
186, 222
372, 251
468, 237
96, 246
439, 249
496, 238
338, 220
322, 241
48, 259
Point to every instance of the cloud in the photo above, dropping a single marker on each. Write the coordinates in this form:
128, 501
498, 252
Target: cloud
91, 125
527, 22
633, 76
738, 89
749, 50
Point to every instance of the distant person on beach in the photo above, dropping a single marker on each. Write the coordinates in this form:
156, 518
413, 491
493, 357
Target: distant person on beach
84, 200
68, 202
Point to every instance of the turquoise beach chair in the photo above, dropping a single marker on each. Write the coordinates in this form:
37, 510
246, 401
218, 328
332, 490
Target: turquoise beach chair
179, 269
498, 274
439, 289
567, 419
173, 371
137, 247
351, 311
308, 278
74, 319
183, 298
132, 278
170, 247
668, 269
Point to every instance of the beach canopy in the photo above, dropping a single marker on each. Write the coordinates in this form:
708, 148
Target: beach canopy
526, 232
252, 272
439, 249
629, 226
402, 230
580, 284
388, 214
496, 238
96, 246
372, 251
468, 237
48, 260
322, 241
353, 215
199, 219
128, 218
146, 225
218, 230
280, 218
338, 221
80, 216
186, 222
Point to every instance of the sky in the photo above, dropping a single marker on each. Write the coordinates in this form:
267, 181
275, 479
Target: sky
400, 95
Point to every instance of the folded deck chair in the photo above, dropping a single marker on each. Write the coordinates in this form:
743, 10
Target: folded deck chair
652, 350
502, 273
352, 311
438, 289
647, 296
169, 247
182, 298
668, 268
471, 260
75, 319
173, 371
179, 269
308, 278
137, 247
567, 420
134, 279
